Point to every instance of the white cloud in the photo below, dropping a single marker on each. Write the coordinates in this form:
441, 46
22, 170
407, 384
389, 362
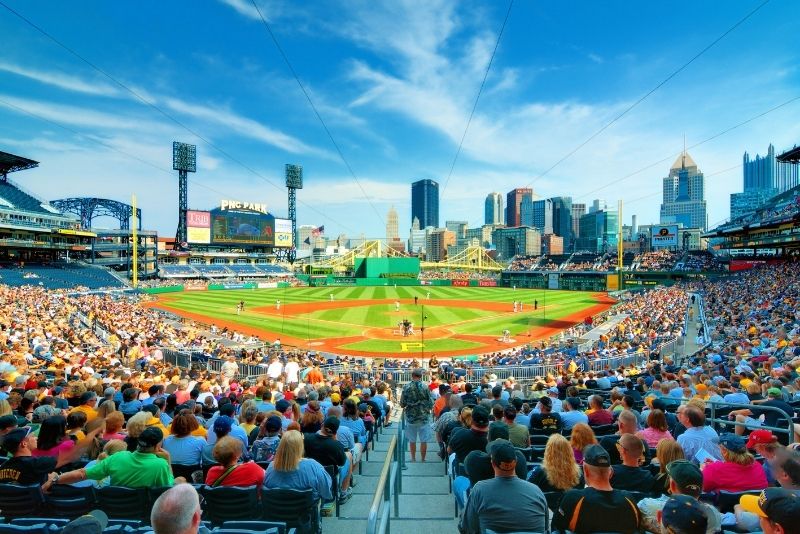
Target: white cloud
63, 81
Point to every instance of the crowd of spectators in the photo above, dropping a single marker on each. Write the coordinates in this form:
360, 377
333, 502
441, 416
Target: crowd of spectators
702, 261
656, 260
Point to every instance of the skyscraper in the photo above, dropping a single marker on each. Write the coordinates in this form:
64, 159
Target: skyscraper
763, 177
513, 203
493, 209
425, 203
543, 216
392, 226
578, 211
562, 220
684, 195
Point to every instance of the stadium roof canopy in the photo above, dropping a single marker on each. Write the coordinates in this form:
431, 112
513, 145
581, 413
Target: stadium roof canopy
11, 163
790, 156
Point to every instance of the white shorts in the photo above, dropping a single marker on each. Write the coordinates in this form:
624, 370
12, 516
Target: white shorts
418, 432
751, 423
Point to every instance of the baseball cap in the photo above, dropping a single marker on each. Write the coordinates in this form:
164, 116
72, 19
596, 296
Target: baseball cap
273, 423
596, 455
11, 441
87, 396
774, 392
502, 452
546, 401
480, 416
282, 405
777, 504
553, 389
336, 398
733, 443
94, 522
760, 437
331, 424
152, 436
8, 421
223, 424
687, 476
684, 514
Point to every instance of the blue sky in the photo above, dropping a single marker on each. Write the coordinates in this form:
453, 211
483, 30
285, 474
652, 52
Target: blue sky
395, 82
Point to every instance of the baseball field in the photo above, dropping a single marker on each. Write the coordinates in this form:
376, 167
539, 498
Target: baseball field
386, 321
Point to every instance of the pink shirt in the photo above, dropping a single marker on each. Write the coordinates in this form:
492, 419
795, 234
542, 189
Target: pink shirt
728, 476
653, 436
64, 446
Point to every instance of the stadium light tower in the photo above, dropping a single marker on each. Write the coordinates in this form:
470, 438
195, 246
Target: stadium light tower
184, 160
294, 181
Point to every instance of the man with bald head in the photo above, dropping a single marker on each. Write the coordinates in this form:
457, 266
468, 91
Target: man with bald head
177, 511
628, 424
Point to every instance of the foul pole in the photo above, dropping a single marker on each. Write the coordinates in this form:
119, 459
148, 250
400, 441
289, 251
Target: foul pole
620, 248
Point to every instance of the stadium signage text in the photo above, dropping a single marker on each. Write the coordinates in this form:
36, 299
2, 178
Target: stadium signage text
236, 205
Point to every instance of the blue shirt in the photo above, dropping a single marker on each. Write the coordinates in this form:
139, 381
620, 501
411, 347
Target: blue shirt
356, 425
308, 475
131, 407
184, 451
695, 439
572, 418
265, 406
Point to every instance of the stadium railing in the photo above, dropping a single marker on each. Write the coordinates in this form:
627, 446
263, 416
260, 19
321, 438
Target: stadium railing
386, 501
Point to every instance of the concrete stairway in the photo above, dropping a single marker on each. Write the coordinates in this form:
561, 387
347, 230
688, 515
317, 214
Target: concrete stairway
426, 506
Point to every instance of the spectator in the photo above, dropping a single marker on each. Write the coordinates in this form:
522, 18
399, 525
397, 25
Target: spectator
417, 404
518, 434
464, 440
53, 439
545, 422
684, 515
737, 472
88, 402
177, 511
488, 506
699, 442
311, 420
683, 478
25, 469
772, 419
290, 470
323, 447
630, 475
269, 437
588, 510
184, 448
656, 429
113, 426
581, 437
667, 452
596, 413
559, 471
765, 444
229, 472
627, 425
572, 414
777, 508
140, 469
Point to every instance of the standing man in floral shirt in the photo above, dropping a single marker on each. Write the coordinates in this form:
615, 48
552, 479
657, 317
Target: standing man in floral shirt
417, 404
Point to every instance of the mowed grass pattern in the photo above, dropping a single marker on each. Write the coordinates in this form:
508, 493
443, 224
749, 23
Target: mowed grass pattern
353, 320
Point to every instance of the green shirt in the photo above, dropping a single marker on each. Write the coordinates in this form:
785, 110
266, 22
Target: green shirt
133, 470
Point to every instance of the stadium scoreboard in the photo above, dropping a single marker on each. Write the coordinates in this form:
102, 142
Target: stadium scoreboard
238, 223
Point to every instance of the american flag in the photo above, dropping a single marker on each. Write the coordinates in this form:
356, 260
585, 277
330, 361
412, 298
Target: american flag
316, 232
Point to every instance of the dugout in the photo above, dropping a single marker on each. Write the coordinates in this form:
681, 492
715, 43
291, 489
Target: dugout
386, 268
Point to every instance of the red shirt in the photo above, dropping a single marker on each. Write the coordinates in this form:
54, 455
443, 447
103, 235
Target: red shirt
246, 474
728, 476
600, 417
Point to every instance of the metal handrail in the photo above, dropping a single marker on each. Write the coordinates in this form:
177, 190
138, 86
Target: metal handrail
388, 489
714, 405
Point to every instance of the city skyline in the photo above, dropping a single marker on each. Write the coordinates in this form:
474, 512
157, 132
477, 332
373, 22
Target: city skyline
395, 83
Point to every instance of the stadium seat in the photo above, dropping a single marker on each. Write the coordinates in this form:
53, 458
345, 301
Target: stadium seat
185, 471
604, 430
294, 507
259, 526
20, 501
39, 528
56, 522
68, 501
228, 503
333, 471
123, 503
726, 500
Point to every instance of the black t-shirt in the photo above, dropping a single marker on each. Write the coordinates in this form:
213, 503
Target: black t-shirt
591, 384
469, 399
772, 418
27, 470
478, 466
325, 450
465, 440
632, 479
539, 477
600, 511
545, 423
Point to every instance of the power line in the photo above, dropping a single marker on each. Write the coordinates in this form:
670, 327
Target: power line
706, 140
477, 97
314, 109
650, 92
158, 109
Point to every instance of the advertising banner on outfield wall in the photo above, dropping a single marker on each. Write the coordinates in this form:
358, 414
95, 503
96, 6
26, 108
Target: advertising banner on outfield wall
267, 285
459, 283
487, 283
198, 227
665, 236
552, 281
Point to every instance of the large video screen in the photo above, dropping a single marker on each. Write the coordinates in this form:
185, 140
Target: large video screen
235, 227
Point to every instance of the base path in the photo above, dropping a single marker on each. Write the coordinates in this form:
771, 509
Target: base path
407, 346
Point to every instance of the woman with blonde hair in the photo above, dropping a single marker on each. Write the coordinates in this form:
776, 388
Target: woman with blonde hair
559, 470
289, 470
581, 437
668, 450
114, 422
5, 408
737, 472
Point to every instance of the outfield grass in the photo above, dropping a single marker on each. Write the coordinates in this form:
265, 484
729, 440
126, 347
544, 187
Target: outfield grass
352, 321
